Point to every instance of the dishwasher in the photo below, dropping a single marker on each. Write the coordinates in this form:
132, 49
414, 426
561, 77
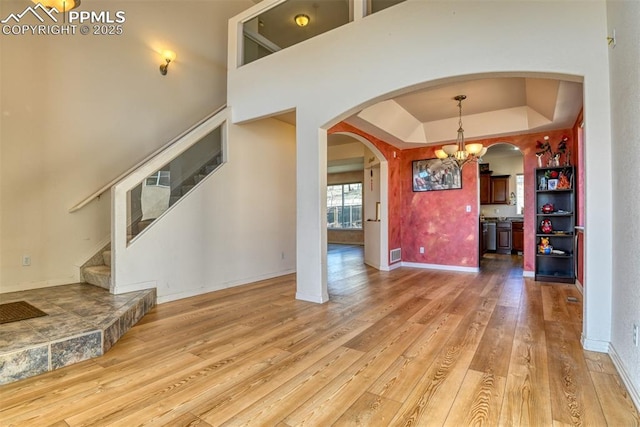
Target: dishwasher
491, 236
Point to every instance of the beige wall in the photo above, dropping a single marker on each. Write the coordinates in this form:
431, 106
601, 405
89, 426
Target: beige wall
623, 17
354, 237
76, 111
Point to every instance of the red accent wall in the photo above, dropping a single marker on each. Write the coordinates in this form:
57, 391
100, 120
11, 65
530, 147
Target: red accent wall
437, 220
394, 167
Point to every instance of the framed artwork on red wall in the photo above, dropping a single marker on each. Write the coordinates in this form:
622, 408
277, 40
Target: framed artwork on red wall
436, 174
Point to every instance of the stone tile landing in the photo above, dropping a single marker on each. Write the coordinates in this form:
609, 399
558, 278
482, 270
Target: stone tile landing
83, 322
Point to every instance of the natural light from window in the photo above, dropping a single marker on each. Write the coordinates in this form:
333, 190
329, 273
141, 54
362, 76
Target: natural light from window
344, 206
520, 194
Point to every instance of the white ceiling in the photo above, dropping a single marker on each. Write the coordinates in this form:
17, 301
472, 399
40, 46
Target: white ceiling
494, 107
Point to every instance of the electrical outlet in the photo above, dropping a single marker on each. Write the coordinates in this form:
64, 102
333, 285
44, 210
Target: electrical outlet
421, 249
468, 208
26, 260
636, 335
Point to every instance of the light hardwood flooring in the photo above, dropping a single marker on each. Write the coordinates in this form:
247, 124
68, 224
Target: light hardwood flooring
406, 347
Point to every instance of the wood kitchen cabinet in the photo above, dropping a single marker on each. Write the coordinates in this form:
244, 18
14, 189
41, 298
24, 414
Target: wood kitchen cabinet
494, 190
485, 188
517, 236
500, 190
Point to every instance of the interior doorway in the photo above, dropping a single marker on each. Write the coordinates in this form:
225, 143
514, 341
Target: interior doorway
502, 203
356, 197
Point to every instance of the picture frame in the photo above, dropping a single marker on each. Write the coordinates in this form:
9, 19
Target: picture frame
552, 184
435, 175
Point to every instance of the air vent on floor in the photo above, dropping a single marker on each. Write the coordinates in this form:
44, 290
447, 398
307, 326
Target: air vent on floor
395, 255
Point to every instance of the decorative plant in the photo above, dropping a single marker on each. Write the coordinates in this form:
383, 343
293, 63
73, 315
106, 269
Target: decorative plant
543, 147
562, 146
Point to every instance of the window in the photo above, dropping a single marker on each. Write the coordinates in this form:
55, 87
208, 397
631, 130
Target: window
160, 179
344, 206
520, 193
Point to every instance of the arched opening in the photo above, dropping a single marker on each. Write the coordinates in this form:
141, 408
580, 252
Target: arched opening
502, 203
352, 158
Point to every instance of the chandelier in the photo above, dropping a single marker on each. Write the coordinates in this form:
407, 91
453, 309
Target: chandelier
59, 5
460, 152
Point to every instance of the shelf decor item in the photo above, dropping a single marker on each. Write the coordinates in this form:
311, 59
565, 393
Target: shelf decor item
543, 148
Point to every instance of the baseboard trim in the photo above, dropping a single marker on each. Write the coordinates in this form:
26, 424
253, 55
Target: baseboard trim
318, 299
27, 286
441, 267
528, 273
134, 287
218, 287
626, 379
595, 345
391, 266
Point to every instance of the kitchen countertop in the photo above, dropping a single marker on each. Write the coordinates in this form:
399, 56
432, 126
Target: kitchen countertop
501, 219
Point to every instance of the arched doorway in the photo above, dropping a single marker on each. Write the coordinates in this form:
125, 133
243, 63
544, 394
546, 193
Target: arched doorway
502, 202
374, 178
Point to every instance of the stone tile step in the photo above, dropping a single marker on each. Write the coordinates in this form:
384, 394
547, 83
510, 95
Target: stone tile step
84, 322
98, 275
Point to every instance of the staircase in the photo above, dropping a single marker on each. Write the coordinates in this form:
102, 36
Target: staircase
97, 271
180, 191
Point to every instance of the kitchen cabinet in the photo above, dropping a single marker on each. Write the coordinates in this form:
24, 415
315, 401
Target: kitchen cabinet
494, 190
485, 188
517, 236
503, 237
555, 205
500, 190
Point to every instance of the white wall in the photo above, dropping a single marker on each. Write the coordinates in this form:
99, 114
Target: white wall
623, 16
416, 44
503, 165
76, 111
237, 227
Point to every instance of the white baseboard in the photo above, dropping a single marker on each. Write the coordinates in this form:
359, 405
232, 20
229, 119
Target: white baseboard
217, 287
441, 267
626, 379
94, 250
318, 299
528, 273
27, 286
391, 266
133, 287
595, 345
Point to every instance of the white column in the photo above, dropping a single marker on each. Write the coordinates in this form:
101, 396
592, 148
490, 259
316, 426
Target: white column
311, 218
598, 273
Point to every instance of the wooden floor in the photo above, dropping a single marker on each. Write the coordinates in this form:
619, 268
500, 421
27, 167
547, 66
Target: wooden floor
406, 347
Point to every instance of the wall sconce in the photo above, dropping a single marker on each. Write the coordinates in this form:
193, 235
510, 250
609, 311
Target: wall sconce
302, 20
168, 56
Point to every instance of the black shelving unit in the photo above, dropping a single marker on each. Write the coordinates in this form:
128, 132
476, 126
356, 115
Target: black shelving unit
557, 266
